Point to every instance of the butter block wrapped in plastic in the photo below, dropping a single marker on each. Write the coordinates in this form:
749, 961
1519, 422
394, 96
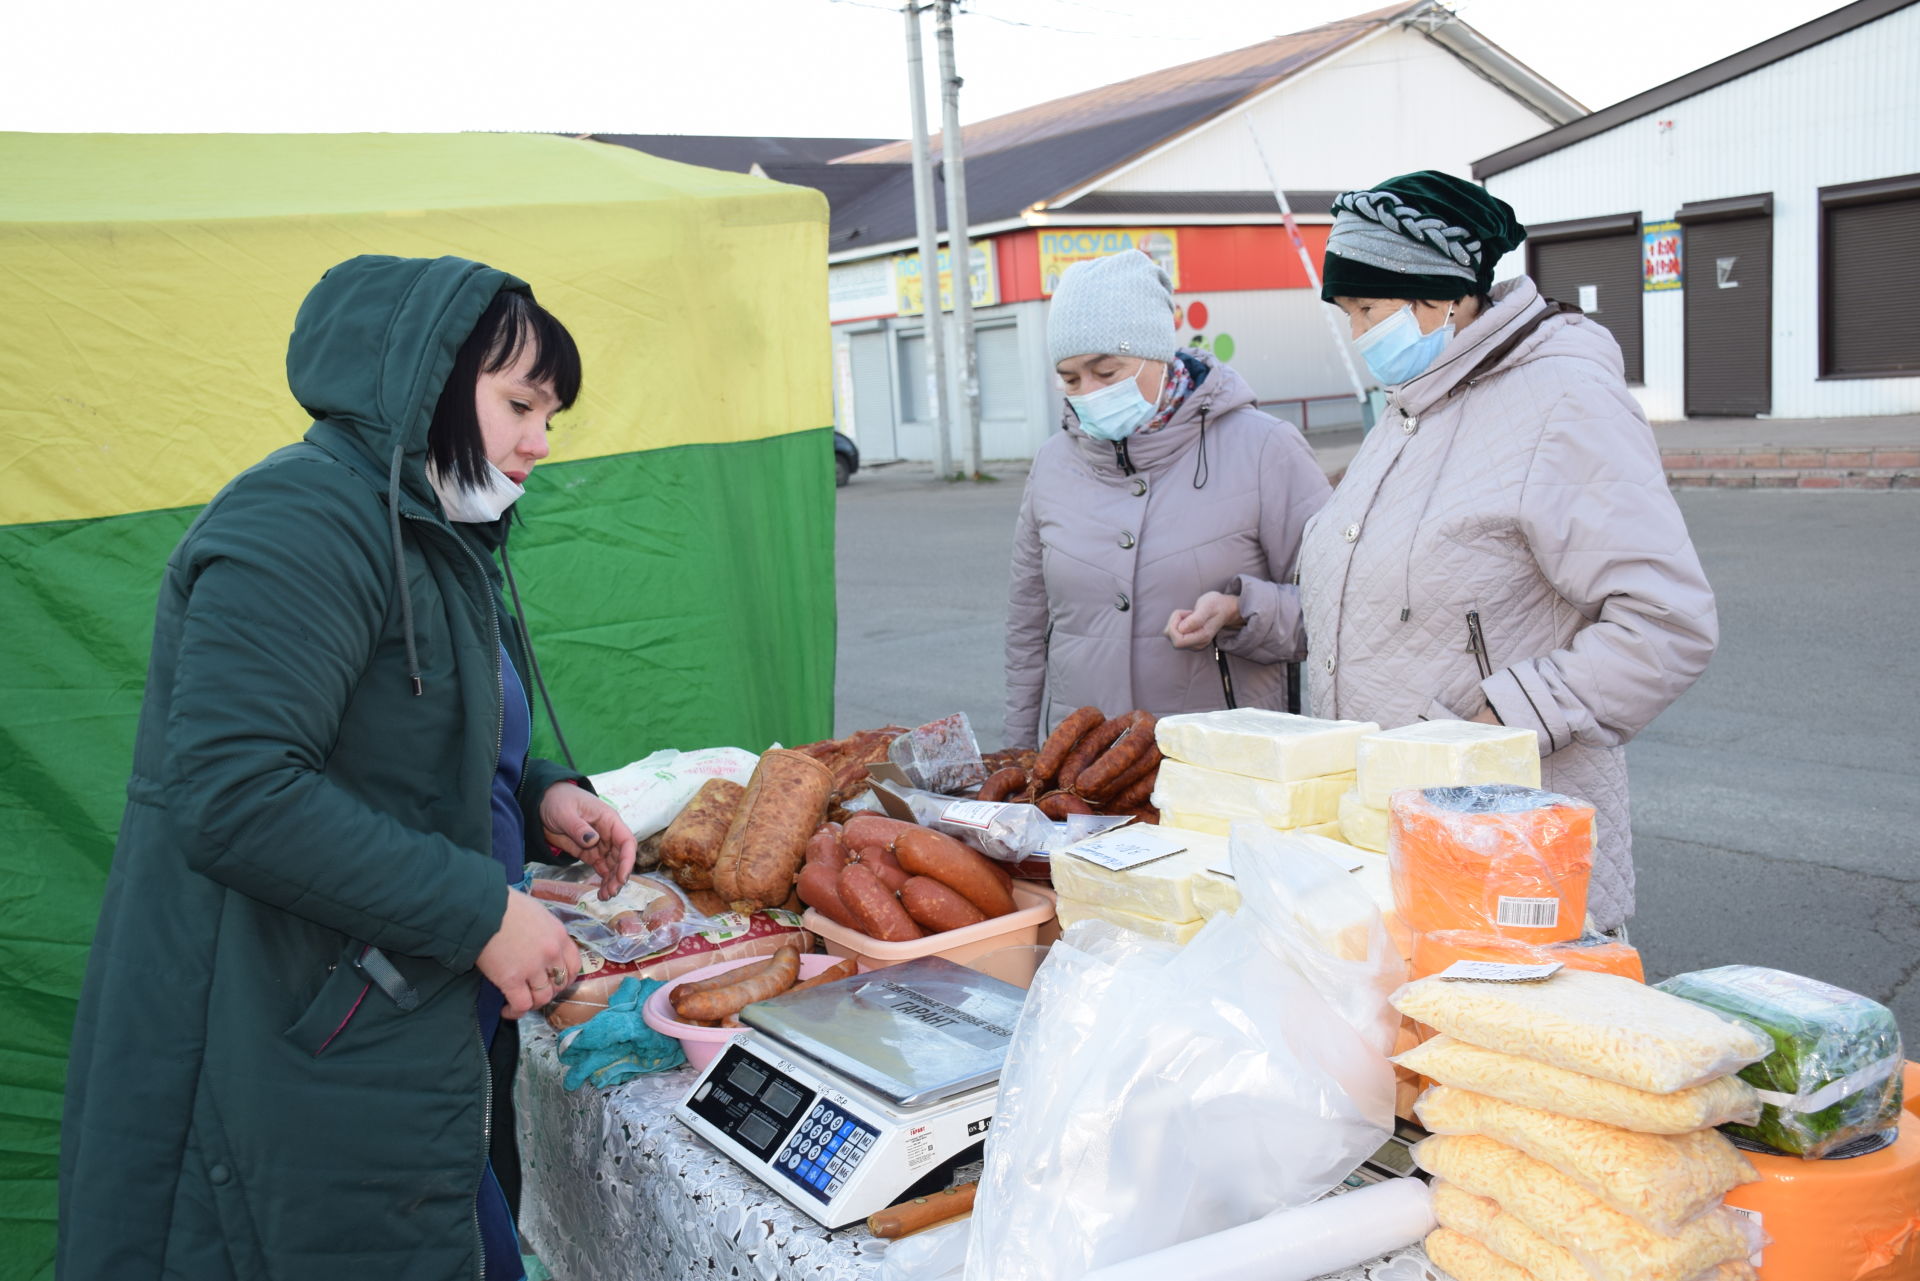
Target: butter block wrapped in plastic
1511, 860
1552, 1089
1194, 789
1596, 1024
1258, 743
1444, 754
1162, 889
1663, 1181
1833, 1075
1476, 1220
1608, 1244
1362, 825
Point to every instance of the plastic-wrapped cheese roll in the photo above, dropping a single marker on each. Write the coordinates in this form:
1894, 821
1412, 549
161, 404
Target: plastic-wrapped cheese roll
1499, 858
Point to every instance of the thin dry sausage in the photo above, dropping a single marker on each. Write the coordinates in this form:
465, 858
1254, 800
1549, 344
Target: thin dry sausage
967, 872
1053, 753
1002, 784
1090, 749
832, 974
1148, 764
875, 910
1057, 805
937, 907
1138, 794
1127, 748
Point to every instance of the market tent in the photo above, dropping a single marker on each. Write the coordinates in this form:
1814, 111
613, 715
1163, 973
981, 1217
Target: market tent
677, 555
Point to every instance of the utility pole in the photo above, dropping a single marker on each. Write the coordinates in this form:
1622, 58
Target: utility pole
959, 241
926, 218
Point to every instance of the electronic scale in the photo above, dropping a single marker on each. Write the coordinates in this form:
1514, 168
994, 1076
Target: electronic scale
852, 1096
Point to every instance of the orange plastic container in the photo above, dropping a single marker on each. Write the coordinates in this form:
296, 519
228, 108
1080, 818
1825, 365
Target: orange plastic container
1032, 910
1856, 1219
1910, 1085
1434, 952
1496, 859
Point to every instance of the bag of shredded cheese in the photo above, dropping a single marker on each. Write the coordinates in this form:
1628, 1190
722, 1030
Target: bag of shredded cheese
1541, 1085
1664, 1181
1483, 1223
1608, 1244
1598, 1024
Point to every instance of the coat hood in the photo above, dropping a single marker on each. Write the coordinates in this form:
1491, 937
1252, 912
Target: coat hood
374, 342
1488, 346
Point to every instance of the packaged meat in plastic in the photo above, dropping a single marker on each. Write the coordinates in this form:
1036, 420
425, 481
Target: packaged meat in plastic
729, 938
1434, 952
1551, 1089
649, 793
1662, 1181
1506, 1241
1608, 1244
1005, 830
648, 917
692, 841
1597, 1024
1834, 1073
940, 756
1496, 858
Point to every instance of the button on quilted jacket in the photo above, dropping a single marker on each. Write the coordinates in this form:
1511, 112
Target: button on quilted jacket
1518, 480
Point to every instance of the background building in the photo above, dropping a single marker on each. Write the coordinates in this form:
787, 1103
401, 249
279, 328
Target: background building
1750, 231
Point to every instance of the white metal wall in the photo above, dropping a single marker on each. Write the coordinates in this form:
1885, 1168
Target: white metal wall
1847, 110
1392, 104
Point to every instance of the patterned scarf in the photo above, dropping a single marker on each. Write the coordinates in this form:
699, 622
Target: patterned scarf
1179, 387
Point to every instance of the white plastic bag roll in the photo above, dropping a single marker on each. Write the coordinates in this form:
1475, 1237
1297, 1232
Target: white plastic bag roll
1294, 1245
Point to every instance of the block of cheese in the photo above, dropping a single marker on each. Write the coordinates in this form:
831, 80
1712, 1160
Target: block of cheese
1162, 889
1215, 894
1262, 744
1444, 754
1363, 825
1329, 830
1072, 912
1194, 789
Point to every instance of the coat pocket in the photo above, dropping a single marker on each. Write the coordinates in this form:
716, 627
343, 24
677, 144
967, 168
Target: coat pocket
340, 998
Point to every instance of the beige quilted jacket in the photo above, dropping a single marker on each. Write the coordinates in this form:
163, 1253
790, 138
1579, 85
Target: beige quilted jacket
1530, 492
1103, 553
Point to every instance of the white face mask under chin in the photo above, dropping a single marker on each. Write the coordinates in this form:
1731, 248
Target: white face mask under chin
482, 506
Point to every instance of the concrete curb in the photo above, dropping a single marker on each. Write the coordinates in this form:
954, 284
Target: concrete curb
1771, 467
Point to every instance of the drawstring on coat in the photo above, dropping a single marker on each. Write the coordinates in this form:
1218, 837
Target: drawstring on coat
533, 659
400, 571
1201, 474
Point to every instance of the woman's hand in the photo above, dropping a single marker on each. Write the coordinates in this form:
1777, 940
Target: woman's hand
1487, 716
529, 958
577, 821
1212, 614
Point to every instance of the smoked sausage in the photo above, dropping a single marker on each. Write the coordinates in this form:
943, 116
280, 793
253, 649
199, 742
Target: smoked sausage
1146, 765
692, 841
1089, 750
1127, 750
865, 832
1057, 805
820, 890
785, 802
1053, 753
936, 907
1002, 784
876, 912
970, 874
824, 847
731, 998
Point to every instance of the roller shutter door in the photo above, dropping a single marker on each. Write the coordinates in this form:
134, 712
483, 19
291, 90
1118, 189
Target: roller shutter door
1599, 272
1870, 269
997, 351
1729, 307
873, 397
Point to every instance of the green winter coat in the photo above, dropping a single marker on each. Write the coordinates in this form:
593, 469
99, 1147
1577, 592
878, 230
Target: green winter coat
242, 1101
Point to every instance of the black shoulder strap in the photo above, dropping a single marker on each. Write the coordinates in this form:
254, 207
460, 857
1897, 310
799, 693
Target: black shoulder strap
1492, 359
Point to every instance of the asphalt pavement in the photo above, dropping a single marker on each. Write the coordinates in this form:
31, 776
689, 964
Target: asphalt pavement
1776, 806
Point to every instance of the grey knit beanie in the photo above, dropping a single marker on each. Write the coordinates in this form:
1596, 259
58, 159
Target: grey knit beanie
1120, 305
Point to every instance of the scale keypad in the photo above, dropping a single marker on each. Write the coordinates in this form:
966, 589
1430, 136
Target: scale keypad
824, 1150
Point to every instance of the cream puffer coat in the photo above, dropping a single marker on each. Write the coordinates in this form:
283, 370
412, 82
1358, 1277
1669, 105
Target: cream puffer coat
1106, 550
1518, 480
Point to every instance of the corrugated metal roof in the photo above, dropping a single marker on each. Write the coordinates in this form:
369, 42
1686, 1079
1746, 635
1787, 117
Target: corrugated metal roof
738, 155
1192, 203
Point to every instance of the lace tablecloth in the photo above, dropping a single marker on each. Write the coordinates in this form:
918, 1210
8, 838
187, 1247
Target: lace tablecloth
615, 1189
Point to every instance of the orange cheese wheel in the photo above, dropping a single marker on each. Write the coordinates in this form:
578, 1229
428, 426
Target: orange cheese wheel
1434, 952
1910, 1083
1850, 1220
1499, 859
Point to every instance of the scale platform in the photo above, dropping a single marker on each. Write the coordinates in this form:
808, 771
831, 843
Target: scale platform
849, 1097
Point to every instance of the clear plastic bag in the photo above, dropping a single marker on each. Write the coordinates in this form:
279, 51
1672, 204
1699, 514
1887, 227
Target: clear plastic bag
1514, 861
650, 793
1005, 830
1153, 1095
1833, 1075
940, 756
1595, 1024
648, 917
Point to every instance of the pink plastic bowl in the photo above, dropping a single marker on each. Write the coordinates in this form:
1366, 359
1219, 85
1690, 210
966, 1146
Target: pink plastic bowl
703, 1043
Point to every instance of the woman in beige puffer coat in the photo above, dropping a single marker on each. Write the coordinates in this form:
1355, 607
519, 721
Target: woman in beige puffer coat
1512, 477
1161, 520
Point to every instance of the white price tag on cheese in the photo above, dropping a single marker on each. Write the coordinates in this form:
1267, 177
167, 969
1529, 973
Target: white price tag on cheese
978, 814
1127, 848
1494, 972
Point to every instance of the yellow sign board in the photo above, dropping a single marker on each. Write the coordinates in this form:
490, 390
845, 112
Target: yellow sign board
1059, 250
910, 291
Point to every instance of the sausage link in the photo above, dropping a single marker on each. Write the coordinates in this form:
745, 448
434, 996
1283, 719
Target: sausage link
1127, 748
937, 907
832, 974
865, 832
1057, 805
1138, 794
1148, 764
1053, 753
999, 786
820, 890
1089, 750
724, 977
965, 871
876, 912
824, 847
717, 1003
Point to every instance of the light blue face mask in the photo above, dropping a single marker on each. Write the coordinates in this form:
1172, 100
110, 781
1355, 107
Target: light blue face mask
1117, 410
1395, 349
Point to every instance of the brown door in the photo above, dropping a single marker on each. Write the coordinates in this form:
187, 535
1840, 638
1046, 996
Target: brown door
1729, 317
1598, 273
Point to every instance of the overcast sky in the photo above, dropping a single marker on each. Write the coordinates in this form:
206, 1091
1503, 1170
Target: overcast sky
793, 67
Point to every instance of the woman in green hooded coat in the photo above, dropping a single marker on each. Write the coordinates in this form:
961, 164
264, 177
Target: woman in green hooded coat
280, 1059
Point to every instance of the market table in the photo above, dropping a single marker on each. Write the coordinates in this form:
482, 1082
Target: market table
614, 1188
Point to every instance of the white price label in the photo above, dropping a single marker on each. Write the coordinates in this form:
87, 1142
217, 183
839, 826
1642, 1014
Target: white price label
978, 814
1529, 913
1127, 848
1494, 972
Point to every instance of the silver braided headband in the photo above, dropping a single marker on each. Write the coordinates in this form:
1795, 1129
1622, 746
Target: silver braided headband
1374, 228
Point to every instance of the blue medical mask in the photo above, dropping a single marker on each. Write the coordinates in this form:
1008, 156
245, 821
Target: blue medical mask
1395, 349
1117, 410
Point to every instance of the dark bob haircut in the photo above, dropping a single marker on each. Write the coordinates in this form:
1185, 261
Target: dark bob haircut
510, 322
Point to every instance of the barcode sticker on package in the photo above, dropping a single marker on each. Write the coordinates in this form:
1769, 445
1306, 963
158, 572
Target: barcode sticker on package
1529, 913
